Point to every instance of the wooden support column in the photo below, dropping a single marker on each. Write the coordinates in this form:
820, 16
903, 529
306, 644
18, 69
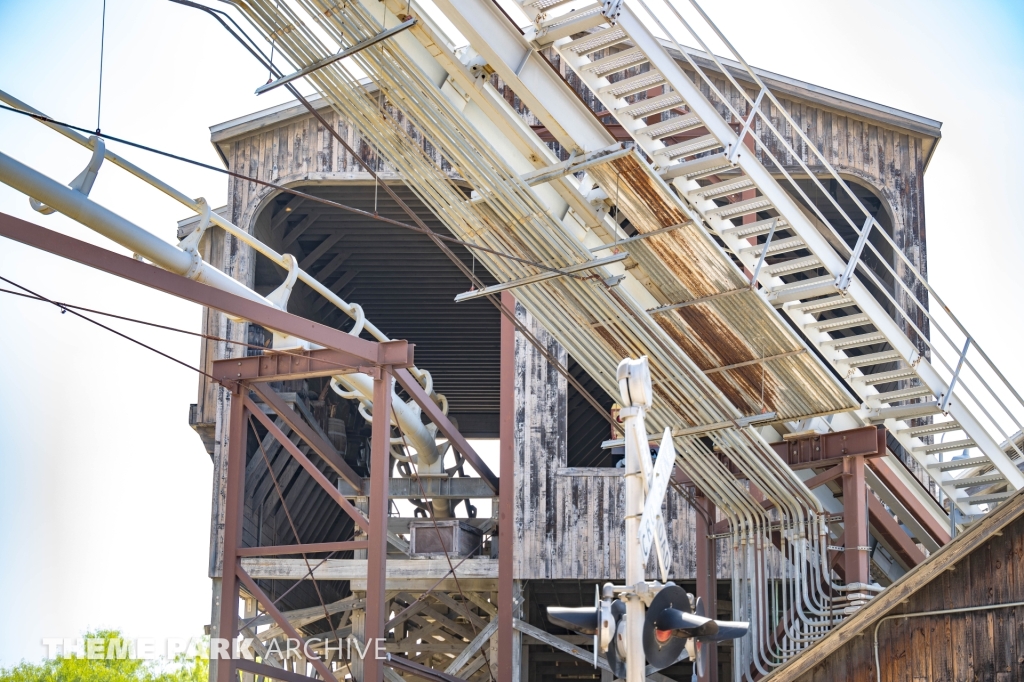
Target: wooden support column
506, 476
380, 453
855, 521
707, 583
233, 511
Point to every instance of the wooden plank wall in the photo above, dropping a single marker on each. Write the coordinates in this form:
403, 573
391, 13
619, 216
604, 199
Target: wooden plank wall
569, 522
983, 645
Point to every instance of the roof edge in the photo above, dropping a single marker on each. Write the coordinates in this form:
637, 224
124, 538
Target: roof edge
818, 94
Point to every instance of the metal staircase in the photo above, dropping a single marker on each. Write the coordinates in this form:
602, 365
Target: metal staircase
883, 327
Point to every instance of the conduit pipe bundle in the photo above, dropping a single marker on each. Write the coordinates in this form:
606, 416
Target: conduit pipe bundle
410, 103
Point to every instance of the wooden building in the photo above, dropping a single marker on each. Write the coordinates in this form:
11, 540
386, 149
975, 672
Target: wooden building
568, 490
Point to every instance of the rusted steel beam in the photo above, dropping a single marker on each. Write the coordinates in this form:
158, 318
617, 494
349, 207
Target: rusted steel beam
827, 449
857, 555
376, 555
311, 469
276, 550
286, 365
234, 509
883, 524
395, 353
909, 500
506, 511
321, 447
434, 414
284, 624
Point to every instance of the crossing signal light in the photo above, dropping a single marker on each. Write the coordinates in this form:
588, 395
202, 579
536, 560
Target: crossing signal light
673, 622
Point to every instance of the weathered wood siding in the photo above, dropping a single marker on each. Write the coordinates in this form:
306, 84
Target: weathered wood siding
569, 522
981, 645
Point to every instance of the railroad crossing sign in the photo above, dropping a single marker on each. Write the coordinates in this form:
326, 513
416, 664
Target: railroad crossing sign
652, 523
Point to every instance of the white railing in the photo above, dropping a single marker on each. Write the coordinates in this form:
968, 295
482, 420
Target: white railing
940, 337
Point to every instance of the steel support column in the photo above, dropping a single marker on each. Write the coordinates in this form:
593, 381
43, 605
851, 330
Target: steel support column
506, 477
233, 511
707, 583
856, 556
380, 455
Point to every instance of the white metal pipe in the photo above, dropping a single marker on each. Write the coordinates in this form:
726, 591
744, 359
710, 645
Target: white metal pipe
79, 207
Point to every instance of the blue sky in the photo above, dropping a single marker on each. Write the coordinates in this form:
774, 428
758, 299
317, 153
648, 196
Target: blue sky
104, 491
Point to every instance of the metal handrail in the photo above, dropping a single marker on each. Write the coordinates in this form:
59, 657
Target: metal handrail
905, 309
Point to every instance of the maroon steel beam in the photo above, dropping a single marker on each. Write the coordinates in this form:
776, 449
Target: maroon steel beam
824, 477
434, 414
234, 508
275, 550
885, 526
707, 583
321, 447
897, 487
856, 555
310, 468
286, 365
506, 510
815, 450
287, 627
395, 353
376, 565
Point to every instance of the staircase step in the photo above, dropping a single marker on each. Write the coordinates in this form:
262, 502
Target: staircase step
777, 245
927, 429
946, 447
987, 479
795, 265
631, 86
823, 304
867, 359
571, 23
869, 339
697, 168
990, 498
904, 412
808, 288
671, 126
620, 61
741, 208
901, 394
689, 147
756, 228
886, 377
651, 106
598, 40
965, 463
544, 5
844, 322
723, 188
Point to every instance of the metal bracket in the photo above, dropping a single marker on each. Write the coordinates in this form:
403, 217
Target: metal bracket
83, 183
944, 399
190, 243
279, 296
844, 279
612, 9
764, 253
532, 279
347, 52
735, 151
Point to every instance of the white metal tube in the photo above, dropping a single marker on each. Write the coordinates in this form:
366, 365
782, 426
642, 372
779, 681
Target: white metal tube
79, 207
